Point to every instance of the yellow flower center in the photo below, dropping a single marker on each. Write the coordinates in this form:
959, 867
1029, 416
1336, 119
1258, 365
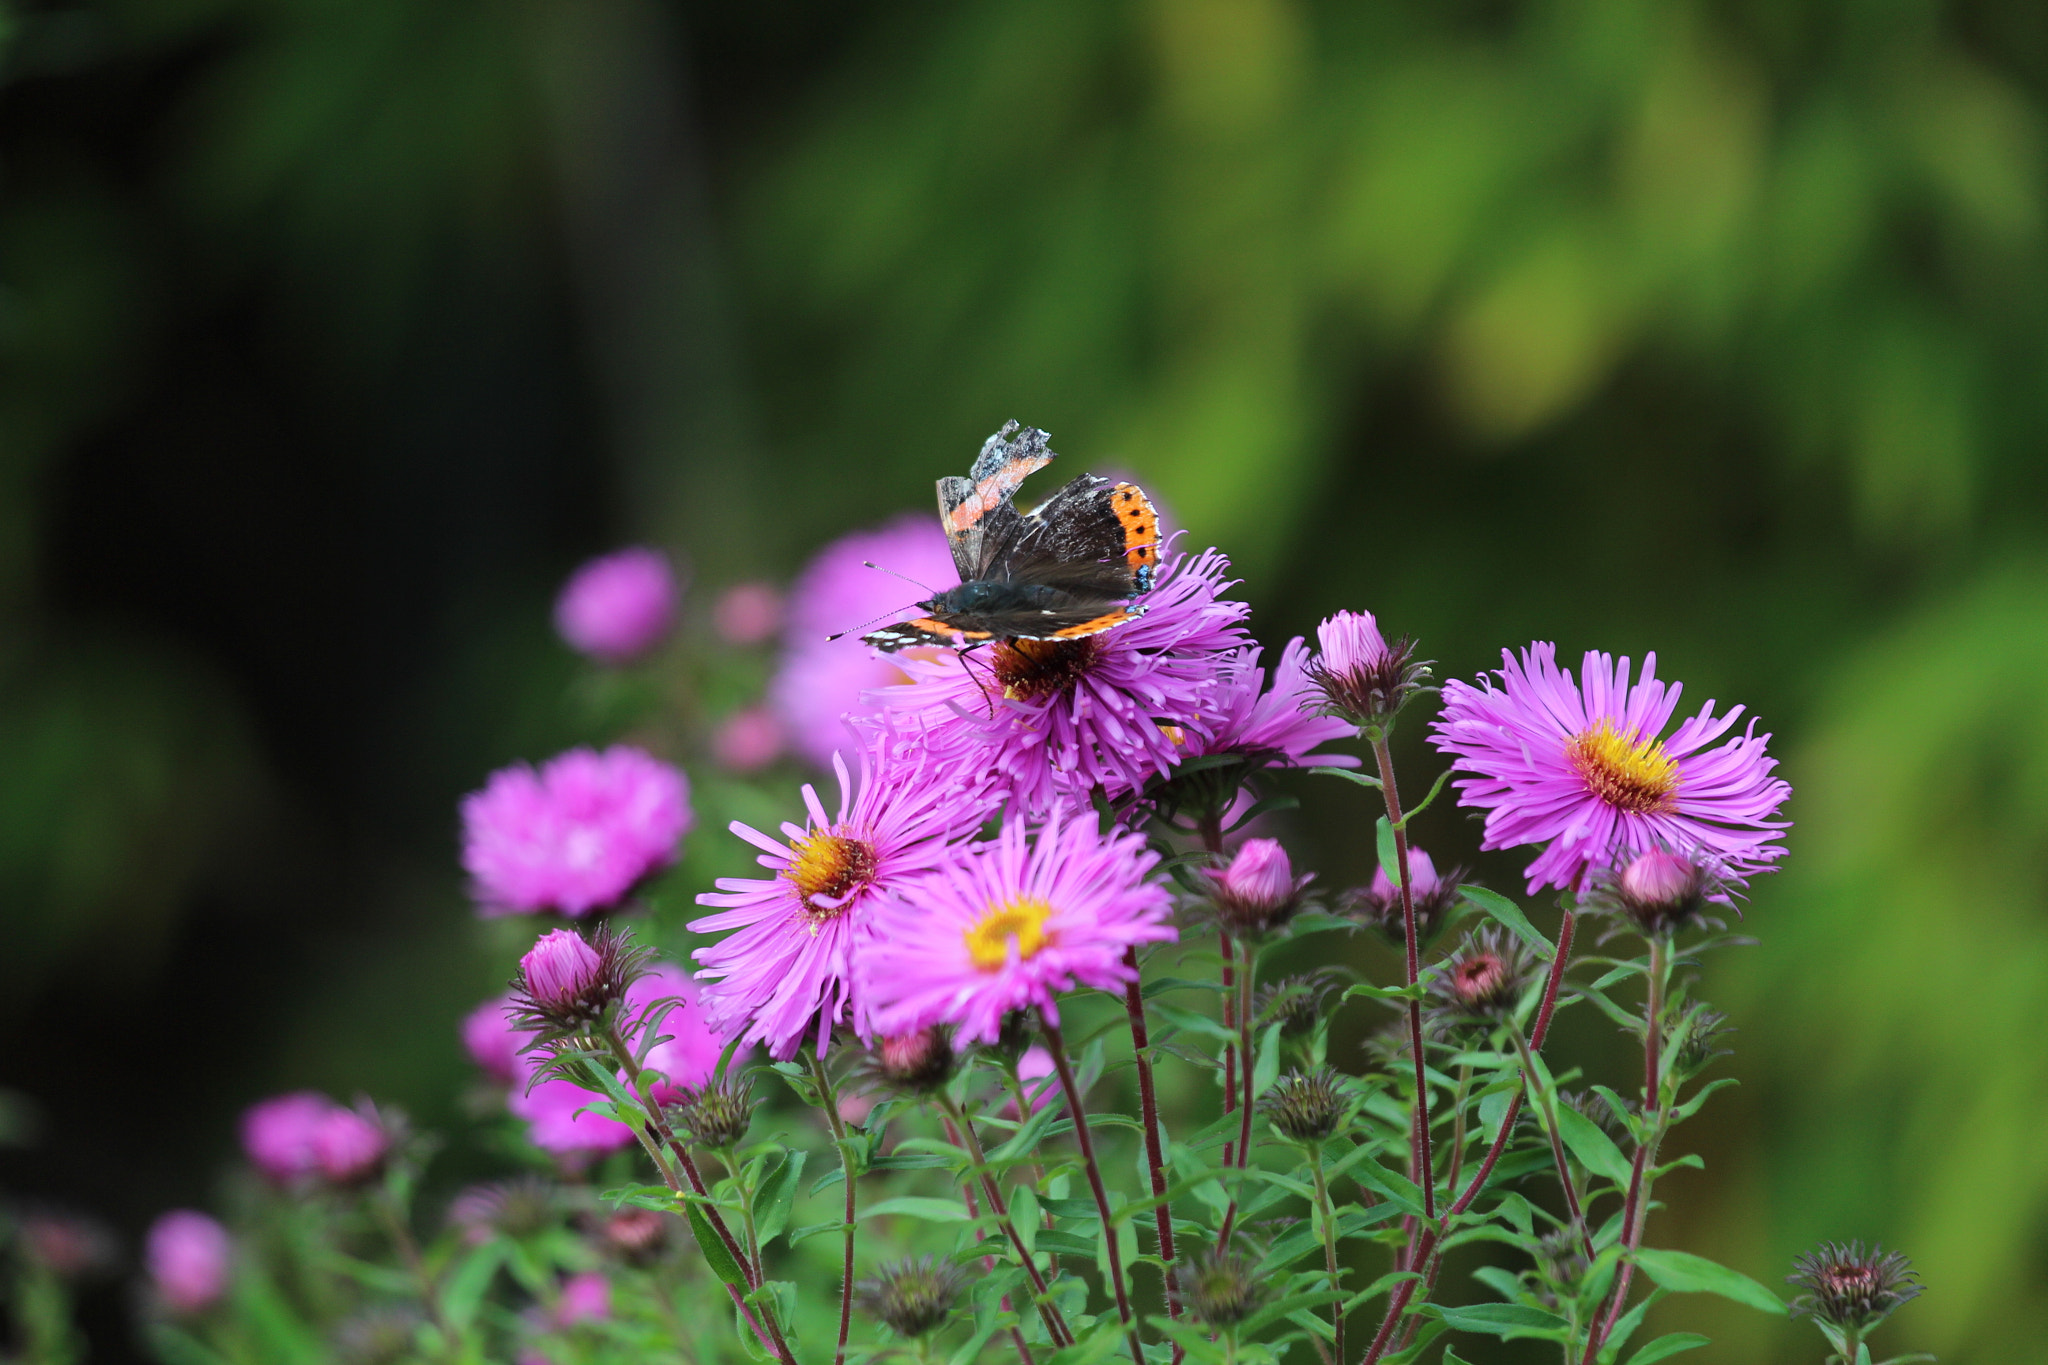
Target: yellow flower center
829, 868
1627, 773
1020, 921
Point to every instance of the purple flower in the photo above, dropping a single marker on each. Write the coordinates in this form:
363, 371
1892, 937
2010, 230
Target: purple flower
1581, 769
1011, 924
747, 613
788, 970
586, 1297
349, 1145
187, 1254
617, 608
278, 1133
1053, 719
1035, 1073
748, 740
557, 1121
1258, 890
821, 681
575, 836
567, 982
559, 968
1423, 881
493, 1040
1362, 677
1270, 723
690, 1053
1434, 896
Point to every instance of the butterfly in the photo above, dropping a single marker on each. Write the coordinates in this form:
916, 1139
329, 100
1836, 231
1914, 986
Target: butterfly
1075, 566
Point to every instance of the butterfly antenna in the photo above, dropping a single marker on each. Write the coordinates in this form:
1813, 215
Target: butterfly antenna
929, 591
840, 635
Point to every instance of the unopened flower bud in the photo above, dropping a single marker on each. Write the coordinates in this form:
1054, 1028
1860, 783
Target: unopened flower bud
919, 1062
912, 1296
1662, 891
522, 1207
1307, 1106
1258, 890
378, 1336
1379, 905
188, 1256
566, 983
1851, 1289
1694, 1047
349, 1146
1295, 1003
636, 1234
718, 1115
1222, 1289
1484, 979
1361, 677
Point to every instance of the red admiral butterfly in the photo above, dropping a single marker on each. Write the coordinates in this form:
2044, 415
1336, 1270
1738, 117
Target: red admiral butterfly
1074, 566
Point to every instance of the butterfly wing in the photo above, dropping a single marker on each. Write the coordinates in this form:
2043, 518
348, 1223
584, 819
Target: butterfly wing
1094, 537
982, 526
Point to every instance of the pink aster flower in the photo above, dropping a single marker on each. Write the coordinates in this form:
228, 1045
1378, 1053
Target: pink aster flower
558, 1120
1586, 770
691, 1047
188, 1254
748, 613
1058, 719
787, 971
1247, 717
619, 607
821, 680
349, 1145
1012, 924
278, 1133
492, 1039
586, 1297
577, 835
749, 739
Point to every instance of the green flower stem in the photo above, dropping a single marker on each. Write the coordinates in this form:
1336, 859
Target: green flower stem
1546, 1102
1058, 1047
988, 1263
1636, 1209
1423, 1164
1328, 1212
1432, 1239
838, 1126
1148, 1109
1212, 840
1457, 1157
1048, 1311
394, 1220
732, 1167
654, 1136
1244, 1128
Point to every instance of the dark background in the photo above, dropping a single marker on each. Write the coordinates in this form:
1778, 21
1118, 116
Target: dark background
334, 334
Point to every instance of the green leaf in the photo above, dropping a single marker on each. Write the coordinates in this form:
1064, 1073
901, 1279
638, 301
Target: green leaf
777, 1195
1594, 1149
1349, 775
1368, 991
1504, 1320
1398, 1188
713, 1246
1273, 1312
1500, 908
1390, 859
1266, 1069
1427, 801
1188, 1021
918, 1206
1668, 1345
1681, 1272
464, 1288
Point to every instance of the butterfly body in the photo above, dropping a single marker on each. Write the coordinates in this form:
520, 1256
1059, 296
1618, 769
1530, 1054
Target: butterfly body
1073, 567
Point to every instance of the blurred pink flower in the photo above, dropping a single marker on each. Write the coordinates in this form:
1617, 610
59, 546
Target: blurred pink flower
349, 1145
575, 836
278, 1133
554, 1123
617, 608
748, 613
187, 1254
693, 1047
748, 740
586, 1297
493, 1042
1035, 1071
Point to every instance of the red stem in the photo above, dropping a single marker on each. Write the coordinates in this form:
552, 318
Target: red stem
1058, 1047
1422, 1163
1148, 1108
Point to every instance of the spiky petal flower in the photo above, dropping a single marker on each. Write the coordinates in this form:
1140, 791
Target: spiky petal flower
493, 1040
575, 836
1012, 924
566, 982
821, 680
719, 1114
1849, 1288
787, 971
350, 1145
912, 1296
1362, 678
617, 608
1586, 770
1051, 720
277, 1134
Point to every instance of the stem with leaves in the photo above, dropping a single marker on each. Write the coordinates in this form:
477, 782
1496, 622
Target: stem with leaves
1546, 1104
1327, 1211
830, 1104
1057, 1045
1048, 1312
1422, 1162
1148, 1109
988, 1263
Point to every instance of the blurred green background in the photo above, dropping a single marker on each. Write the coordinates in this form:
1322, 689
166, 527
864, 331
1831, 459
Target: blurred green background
336, 331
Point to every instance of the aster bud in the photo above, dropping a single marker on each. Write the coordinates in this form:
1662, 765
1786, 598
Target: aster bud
1258, 891
566, 983
1561, 1263
1307, 1107
1434, 894
188, 1255
919, 1062
912, 1296
1484, 979
522, 1207
1661, 890
1693, 1048
718, 1115
585, 1297
350, 1145
1850, 1290
1295, 1003
636, 1234
1360, 676
1222, 1289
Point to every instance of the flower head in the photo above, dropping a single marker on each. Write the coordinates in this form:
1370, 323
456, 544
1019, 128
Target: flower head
912, 1296
919, 1062
747, 613
277, 1134
493, 1040
1484, 978
1295, 1002
1661, 891
523, 1206
1258, 891
1052, 720
188, 1255
1434, 895
577, 835
1308, 1106
558, 1119
349, 1145
822, 680
1849, 1288
748, 740
1012, 924
1362, 678
566, 982
586, 1297
718, 1115
1581, 768
617, 608
787, 971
